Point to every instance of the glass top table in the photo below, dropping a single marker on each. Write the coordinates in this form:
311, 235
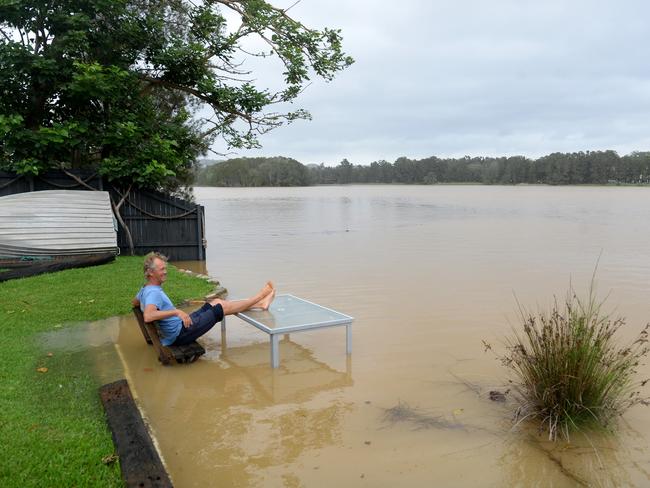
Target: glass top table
289, 314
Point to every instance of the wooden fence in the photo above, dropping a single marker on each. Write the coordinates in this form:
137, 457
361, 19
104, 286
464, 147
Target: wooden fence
157, 222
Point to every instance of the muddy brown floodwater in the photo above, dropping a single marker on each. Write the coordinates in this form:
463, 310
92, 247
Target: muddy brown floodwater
428, 272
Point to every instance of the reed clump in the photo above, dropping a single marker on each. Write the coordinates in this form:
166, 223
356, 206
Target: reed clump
569, 371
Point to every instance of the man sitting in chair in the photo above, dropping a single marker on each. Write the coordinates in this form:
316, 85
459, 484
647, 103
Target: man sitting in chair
175, 327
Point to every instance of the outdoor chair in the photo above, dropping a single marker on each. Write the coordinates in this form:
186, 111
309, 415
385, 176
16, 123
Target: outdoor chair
167, 354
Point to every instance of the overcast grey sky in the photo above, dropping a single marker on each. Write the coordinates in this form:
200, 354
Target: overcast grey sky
472, 77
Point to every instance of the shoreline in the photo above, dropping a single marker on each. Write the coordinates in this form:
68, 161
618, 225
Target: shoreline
469, 183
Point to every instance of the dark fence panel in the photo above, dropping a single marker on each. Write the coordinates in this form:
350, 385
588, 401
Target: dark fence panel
157, 222
10, 184
57, 180
162, 223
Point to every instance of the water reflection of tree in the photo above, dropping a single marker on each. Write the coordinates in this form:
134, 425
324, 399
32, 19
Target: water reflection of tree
596, 459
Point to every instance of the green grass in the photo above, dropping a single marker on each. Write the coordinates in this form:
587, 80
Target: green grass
570, 373
52, 425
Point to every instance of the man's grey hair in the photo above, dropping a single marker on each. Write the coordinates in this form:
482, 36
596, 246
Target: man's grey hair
150, 262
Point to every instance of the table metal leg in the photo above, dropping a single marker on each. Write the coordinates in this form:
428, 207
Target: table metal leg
223, 336
275, 353
224, 344
348, 338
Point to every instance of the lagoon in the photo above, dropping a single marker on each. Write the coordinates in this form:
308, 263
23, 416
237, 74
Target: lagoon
428, 272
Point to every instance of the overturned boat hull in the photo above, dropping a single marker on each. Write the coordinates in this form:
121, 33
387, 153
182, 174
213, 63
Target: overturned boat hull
51, 230
57, 223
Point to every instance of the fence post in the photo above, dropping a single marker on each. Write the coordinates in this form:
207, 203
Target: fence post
199, 233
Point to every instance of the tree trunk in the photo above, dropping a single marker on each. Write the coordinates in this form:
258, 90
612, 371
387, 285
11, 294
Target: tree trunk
118, 216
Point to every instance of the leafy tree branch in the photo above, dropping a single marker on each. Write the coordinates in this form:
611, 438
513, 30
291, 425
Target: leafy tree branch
119, 84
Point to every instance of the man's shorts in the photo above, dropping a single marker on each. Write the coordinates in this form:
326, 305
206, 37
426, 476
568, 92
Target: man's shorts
203, 320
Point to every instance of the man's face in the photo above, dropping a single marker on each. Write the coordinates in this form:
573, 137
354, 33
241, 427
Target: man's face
159, 273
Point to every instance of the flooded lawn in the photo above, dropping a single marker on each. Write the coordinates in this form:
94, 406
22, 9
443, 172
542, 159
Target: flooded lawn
428, 273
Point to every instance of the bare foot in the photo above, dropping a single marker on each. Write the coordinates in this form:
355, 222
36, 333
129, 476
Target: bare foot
267, 288
265, 302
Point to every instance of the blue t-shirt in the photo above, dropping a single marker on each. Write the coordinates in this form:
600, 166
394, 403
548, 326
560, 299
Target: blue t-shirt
169, 328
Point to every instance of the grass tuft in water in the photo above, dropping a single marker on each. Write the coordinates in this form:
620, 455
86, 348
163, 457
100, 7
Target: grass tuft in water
570, 373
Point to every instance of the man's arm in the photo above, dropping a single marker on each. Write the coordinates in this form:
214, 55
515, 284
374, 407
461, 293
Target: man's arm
151, 314
135, 302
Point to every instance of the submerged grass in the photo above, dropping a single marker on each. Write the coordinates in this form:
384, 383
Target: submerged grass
403, 412
52, 426
570, 373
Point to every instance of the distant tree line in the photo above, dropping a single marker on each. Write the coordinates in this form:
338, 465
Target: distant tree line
590, 167
277, 171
